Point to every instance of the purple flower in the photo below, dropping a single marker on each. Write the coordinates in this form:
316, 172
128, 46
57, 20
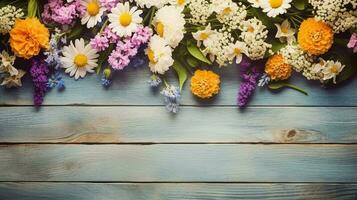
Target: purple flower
39, 73
250, 77
58, 12
109, 4
102, 40
352, 44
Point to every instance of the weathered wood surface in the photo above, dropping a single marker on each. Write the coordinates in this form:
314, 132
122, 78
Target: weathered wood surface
130, 87
179, 163
204, 191
193, 125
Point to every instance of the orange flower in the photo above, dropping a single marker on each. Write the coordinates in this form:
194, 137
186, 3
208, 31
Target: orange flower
28, 37
205, 84
277, 69
315, 37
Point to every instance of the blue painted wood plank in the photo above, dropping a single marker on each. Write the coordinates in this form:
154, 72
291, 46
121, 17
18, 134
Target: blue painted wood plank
179, 163
154, 191
130, 87
129, 124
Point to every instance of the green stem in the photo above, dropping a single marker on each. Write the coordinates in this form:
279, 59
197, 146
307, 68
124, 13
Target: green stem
296, 88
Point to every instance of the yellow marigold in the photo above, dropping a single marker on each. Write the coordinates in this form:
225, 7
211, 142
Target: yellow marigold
277, 69
28, 37
315, 37
205, 84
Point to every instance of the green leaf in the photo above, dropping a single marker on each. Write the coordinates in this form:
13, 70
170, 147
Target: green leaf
197, 53
300, 4
281, 85
32, 8
277, 45
76, 32
181, 73
103, 56
192, 62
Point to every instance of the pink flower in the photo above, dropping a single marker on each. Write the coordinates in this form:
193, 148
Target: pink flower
109, 4
102, 40
352, 44
58, 12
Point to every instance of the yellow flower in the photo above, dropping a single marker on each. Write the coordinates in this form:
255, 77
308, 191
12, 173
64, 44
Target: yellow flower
205, 84
315, 37
277, 69
28, 37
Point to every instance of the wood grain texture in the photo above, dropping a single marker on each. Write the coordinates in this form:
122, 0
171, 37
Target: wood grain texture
130, 87
192, 125
179, 163
155, 191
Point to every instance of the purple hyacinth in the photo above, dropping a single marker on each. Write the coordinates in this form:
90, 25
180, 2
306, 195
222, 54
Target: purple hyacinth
250, 77
39, 73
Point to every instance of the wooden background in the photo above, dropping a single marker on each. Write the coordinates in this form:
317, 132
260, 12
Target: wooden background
88, 143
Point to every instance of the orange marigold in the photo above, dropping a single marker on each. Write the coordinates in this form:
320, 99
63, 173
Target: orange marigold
315, 37
277, 69
205, 84
28, 37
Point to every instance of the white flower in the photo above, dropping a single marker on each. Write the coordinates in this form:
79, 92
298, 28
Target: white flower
200, 10
159, 54
285, 32
274, 8
318, 67
229, 13
150, 3
237, 50
179, 3
203, 35
255, 3
169, 24
7, 64
79, 59
123, 20
93, 13
8, 16
13, 81
331, 70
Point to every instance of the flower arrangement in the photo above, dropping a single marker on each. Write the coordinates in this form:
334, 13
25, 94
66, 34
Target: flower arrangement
269, 40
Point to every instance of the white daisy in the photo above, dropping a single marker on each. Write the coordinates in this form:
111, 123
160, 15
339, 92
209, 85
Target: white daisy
78, 59
169, 24
274, 8
223, 7
203, 35
124, 20
255, 3
93, 12
150, 3
159, 54
179, 3
285, 32
237, 50
332, 69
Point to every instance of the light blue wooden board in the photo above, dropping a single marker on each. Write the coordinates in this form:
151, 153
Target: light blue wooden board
130, 88
144, 191
179, 163
130, 124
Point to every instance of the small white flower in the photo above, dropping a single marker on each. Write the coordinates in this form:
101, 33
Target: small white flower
151, 3
255, 3
78, 59
169, 24
203, 35
93, 13
7, 64
274, 8
179, 3
125, 20
159, 54
237, 50
318, 67
332, 69
285, 32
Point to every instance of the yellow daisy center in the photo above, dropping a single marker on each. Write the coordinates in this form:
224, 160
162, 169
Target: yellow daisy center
226, 11
237, 51
322, 63
180, 2
334, 69
125, 19
93, 8
151, 56
203, 36
160, 29
250, 29
81, 60
275, 3
284, 29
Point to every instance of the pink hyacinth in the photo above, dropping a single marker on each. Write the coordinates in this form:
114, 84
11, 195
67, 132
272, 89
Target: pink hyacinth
352, 44
58, 12
102, 40
109, 4
128, 48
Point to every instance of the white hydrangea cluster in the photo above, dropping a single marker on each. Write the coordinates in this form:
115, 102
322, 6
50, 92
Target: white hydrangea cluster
254, 34
229, 13
217, 47
8, 15
336, 13
150, 3
200, 11
300, 61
